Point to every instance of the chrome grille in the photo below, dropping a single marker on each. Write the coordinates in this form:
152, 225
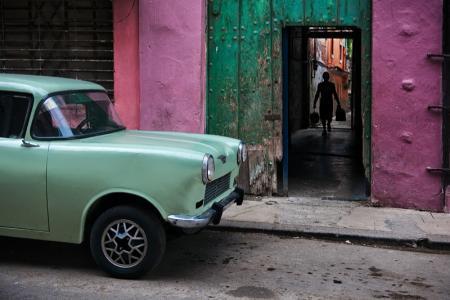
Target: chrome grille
217, 187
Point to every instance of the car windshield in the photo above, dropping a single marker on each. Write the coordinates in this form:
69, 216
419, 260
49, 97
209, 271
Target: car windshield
74, 115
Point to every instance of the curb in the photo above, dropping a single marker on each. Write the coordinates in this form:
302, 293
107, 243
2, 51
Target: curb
338, 234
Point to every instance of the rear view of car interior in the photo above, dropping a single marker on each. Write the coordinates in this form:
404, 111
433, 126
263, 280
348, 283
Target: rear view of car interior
13, 105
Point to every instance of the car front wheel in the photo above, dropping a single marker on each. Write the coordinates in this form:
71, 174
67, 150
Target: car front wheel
127, 242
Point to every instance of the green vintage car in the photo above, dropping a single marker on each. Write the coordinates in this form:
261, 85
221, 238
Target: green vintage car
71, 172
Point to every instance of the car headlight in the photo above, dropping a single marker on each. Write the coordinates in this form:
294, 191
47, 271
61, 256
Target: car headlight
242, 153
208, 168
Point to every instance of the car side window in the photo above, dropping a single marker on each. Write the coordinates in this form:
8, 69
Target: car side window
53, 121
44, 124
14, 108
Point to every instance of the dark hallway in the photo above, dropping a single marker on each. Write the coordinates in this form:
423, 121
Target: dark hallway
324, 164
325, 167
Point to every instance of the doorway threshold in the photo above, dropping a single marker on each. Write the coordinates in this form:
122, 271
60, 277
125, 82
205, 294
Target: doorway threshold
355, 198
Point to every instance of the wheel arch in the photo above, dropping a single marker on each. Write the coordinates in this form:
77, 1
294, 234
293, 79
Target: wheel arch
115, 198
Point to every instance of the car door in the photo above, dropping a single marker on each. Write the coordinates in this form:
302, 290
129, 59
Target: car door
23, 200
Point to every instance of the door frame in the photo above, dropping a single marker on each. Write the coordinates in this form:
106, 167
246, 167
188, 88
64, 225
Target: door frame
446, 102
355, 34
234, 31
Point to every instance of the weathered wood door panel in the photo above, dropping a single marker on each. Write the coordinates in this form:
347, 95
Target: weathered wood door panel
349, 10
255, 85
255, 73
223, 62
245, 72
323, 11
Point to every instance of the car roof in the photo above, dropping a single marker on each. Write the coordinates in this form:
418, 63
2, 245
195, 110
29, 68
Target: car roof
40, 86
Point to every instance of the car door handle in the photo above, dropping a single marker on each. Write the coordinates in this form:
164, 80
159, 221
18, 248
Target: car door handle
28, 144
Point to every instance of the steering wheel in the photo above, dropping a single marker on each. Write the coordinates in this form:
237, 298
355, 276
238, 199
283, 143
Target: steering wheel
83, 123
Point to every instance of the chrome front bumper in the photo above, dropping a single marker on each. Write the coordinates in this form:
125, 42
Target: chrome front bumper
214, 214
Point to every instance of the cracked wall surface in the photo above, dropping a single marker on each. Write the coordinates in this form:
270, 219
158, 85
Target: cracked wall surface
406, 137
126, 61
172, 61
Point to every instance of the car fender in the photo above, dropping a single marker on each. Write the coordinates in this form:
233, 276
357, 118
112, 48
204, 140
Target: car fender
99, 196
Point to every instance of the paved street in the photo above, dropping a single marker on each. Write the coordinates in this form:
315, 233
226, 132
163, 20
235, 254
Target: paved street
218, 265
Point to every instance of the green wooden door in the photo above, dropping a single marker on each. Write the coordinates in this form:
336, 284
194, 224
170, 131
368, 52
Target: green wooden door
245, 72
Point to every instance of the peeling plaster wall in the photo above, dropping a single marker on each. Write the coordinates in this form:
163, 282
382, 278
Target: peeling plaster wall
172, 60
406, 138
126, 61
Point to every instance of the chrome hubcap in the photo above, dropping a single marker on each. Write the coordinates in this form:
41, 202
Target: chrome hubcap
124, 243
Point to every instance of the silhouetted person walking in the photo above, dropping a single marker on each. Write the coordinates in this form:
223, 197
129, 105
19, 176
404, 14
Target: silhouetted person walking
326, 90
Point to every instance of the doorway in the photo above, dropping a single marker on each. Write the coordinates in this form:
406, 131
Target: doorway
323, 162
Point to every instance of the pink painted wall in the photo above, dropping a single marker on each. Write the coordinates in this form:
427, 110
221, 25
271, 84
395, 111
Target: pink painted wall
172, 59
406, 138
126, 61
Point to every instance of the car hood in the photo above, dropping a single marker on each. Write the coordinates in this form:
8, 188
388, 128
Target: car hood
169, 141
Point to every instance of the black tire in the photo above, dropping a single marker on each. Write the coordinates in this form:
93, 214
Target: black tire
128, 254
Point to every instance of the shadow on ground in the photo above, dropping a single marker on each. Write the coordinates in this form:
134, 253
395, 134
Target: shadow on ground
190, 254
326, 167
